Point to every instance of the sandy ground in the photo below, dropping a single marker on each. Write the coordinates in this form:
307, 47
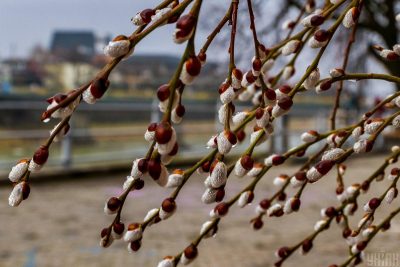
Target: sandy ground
60, 223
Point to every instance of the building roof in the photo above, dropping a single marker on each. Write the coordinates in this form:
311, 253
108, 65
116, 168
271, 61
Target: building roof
67, 44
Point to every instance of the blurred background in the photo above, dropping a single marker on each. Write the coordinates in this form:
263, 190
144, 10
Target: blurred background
55, 46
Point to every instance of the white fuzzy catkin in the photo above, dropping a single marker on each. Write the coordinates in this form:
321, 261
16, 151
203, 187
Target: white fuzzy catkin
244, 199
219, 175
312, 79
18, 171
274, 208
174, 180
16, 195
313, 43
185, 77
360, 146
290, 47
349, 20
254, 171
396, 121
390, 195
205, 228
238, 118
333, 154
288, 72
238, 169
308, 137
227, 96
209, 195
357, 132
223, 144
169, 262
151, 214
319, 225
133, 235
117, 48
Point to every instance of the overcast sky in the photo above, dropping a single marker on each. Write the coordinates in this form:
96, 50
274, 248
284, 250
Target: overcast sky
24, 23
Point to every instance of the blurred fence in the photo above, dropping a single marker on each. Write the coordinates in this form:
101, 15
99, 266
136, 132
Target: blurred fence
112, 132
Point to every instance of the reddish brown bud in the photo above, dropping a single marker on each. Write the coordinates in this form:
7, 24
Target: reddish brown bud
146, 15
247, 162
365, 185
259, 113
152, 127
174, 150
240, 135
193, 66
265, 203
321, 35
386, 226
361, 245
114, 203
374, 203
202, 56
237, 73
26, 190
231, 137
301, 176
285, 89
163, 133
392, 56
223, 87
257, 223
330, 212
324, 166
41, 155
283, 252
395, 171
180, 110
206, 166
118, 228
105, 232
325, 85
138, 184
221, 209
278, 160
163, 92
190, 252
154, 168
285, 103
99, 86
220, 195
270, 94
250, 77
142, 165
263, 49
185, 24
168, 205
135, 245
317, 20
346, 232
295, 204
307, 245
257, 64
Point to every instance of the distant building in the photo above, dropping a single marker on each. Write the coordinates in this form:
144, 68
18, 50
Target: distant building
22, 72
76, 46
